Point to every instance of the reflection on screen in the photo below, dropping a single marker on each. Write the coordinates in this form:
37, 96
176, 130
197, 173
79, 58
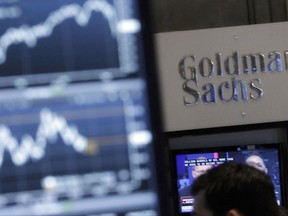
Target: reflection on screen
190, 165
75, 133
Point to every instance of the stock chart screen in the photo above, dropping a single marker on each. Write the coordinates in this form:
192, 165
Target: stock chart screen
84, 40
75, 122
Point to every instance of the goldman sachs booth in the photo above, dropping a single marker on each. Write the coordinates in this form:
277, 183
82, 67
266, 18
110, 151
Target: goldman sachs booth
224, 98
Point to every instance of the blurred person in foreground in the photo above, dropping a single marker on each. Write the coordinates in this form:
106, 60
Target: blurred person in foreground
234, 189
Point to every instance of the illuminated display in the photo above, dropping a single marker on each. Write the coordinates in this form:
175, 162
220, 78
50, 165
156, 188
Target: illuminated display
75, 120
189, 164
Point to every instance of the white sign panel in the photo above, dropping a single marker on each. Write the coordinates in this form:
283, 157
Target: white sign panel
224, 76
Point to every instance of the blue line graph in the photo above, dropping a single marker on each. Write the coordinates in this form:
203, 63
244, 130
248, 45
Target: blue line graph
103, 131
50, 126
83, 40
30, 35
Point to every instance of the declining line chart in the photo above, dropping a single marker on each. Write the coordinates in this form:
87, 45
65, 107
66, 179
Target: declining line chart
82, 39
30, 35
50, 125
38, 133
75, 131
98, 142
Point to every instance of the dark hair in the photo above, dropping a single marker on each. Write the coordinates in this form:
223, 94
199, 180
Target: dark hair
237, 186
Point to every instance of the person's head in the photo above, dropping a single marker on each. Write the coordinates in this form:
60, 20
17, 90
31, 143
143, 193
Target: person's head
256, 161
200, 169
234, 189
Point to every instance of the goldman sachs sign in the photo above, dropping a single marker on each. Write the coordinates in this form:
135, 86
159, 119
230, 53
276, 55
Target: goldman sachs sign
223, 76
191, 70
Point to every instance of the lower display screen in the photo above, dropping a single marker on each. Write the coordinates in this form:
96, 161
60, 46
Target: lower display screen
190, 164
76, 152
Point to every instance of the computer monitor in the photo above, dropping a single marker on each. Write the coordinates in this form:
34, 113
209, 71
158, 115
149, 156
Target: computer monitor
78, 126
191, 163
